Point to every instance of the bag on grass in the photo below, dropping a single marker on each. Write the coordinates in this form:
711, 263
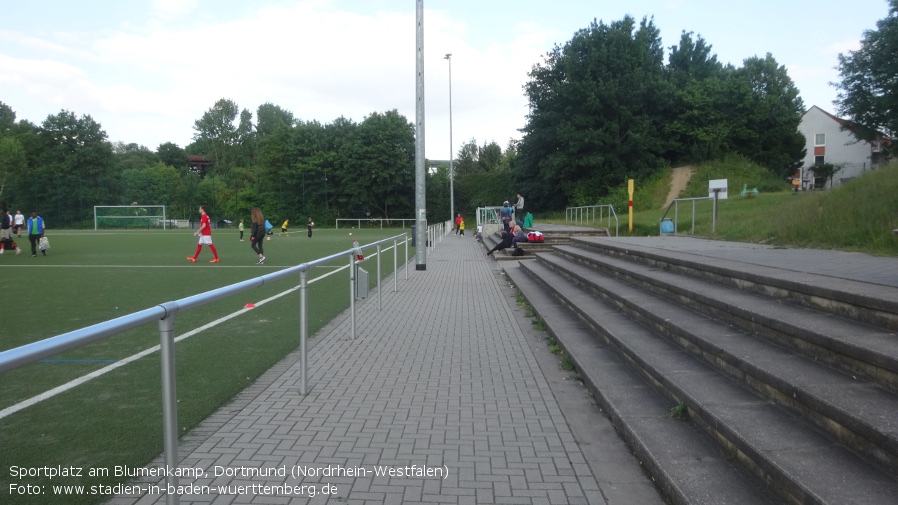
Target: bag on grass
44, 243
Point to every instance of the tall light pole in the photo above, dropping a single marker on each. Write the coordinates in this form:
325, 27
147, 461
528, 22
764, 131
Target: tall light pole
451, 156
420, 172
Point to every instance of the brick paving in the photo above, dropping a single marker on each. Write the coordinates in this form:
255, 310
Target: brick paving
439, 378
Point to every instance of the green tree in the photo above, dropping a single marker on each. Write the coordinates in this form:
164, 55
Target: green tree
132, 156
7, 120
467, 159
378, 177
597, 108
490, 157
767, 116
270, 116
172, 155
217, 135
75, 171
868, 91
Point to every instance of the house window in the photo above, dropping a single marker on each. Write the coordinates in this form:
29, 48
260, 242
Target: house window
820, 139
818, 160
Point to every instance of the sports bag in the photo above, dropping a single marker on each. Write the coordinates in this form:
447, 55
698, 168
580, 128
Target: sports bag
535, 236
268, 226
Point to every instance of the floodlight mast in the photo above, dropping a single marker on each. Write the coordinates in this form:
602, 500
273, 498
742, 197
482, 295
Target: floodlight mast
451, 155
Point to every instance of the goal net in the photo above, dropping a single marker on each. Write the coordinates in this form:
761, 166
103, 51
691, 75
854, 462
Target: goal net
129, 216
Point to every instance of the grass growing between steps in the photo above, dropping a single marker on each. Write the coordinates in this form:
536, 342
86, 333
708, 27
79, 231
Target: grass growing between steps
566, 362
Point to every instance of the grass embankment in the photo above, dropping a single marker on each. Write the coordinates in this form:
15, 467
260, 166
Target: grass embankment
857, 216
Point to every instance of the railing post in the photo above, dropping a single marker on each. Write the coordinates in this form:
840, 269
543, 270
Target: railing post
303, 331
169, 403
352, 292
693, 217
395, 265
406, 256
379, 303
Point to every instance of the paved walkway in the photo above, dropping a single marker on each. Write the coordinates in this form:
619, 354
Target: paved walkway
439, 390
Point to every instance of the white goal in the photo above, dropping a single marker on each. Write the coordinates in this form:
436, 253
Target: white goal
130, 216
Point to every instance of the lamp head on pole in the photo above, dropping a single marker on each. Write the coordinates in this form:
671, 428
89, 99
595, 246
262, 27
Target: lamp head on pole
448, 56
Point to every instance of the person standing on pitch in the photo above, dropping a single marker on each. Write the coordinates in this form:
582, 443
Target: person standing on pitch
257, 234
311, 224
19, 224
35, 232
284, 227
205, 235
240, 228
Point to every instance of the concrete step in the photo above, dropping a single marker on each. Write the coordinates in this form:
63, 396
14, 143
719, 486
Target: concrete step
795, 459
855, 347
860, 414
876, 305
685, 463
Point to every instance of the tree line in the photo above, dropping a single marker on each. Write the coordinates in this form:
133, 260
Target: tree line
605, 107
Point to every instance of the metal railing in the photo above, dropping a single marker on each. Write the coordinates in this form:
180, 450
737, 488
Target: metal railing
676, 207
378, 219
587, 215
165, 314
488, 215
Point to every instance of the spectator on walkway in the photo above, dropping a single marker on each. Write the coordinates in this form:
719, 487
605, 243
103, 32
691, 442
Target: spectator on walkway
461, 227
457, 222
519, 208
257, 234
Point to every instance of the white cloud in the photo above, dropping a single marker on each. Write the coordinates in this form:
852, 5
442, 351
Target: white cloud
149, 84
173, 7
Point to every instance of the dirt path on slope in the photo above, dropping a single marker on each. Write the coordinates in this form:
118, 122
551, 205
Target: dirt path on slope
678, 182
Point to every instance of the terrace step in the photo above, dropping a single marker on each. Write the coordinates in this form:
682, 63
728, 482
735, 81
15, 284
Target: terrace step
718, 372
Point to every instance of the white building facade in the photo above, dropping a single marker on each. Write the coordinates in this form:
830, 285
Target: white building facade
828, 139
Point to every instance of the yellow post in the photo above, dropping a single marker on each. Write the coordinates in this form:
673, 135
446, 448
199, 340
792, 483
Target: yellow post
630, 204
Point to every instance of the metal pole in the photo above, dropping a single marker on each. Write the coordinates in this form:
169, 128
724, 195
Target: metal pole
303, 331
406, 256
693, 217
352, 292
420, 169
169, 403
395, 265
379, 290
714, 213
451, 156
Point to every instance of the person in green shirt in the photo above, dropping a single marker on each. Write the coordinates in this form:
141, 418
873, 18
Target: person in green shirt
240, 227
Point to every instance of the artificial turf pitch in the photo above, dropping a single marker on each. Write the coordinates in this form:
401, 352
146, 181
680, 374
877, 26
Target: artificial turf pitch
93, 276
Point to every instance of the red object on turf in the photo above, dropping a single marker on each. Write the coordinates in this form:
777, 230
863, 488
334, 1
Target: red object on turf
249, 306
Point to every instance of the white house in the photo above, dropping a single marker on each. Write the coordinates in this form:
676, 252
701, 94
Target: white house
829, 140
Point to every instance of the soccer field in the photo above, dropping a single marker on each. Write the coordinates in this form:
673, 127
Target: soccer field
92, 276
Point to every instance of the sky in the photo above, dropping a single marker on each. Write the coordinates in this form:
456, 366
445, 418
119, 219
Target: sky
147, 70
